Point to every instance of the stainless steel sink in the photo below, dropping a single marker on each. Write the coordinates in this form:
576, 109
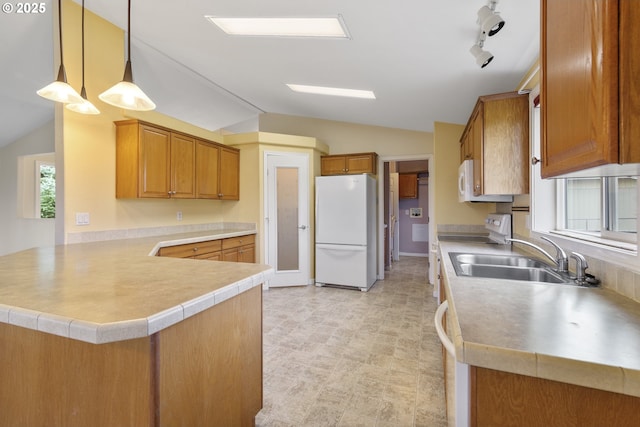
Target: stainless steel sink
529, 274
507, 267
490, 259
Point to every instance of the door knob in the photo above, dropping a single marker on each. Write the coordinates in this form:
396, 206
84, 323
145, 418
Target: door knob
303, 227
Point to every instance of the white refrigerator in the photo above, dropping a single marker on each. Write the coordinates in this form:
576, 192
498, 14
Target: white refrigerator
346, 231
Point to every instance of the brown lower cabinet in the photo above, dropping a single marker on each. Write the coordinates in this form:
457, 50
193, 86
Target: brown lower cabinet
203, 371
502, 399
234, 249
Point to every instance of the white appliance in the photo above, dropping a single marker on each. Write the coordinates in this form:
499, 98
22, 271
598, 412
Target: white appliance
346, 231
465, 186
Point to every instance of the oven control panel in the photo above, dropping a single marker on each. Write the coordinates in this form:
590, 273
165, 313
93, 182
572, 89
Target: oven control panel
499, 226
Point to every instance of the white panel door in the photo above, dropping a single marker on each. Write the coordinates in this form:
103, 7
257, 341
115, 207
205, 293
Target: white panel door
287, 222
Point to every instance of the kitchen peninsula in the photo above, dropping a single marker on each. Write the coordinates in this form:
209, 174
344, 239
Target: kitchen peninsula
104, 334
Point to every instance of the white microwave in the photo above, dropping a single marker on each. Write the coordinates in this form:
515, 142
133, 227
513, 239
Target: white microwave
465, 186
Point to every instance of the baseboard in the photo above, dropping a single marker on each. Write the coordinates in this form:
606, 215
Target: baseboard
414, 254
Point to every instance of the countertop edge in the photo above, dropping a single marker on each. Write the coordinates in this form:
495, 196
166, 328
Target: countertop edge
102, 333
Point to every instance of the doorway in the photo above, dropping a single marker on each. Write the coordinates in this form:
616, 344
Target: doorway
404, 226
287, 221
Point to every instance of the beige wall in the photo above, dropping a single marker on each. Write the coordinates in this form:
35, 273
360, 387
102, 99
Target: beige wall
18, 232
342, 137
86, 146
253, 147
447, 209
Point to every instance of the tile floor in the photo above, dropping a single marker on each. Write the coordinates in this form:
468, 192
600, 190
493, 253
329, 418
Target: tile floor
341, 357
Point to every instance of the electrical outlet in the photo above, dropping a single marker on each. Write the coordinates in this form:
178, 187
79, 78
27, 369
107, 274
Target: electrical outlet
179, 216
82, 218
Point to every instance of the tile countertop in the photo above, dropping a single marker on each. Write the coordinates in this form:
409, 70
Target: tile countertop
115, 290
583, 336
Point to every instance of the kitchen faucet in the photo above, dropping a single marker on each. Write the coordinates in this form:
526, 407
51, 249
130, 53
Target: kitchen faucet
581, 267
561, 260
561, 257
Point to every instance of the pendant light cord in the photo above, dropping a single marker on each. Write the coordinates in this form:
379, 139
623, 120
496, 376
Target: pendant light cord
83, 45
60, 28
129, 32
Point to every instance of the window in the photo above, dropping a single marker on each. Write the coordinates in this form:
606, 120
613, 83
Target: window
602, 206
45, 190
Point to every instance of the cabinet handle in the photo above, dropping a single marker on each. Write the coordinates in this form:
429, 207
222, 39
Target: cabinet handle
220, 195
535, 160
444, 339
195, 249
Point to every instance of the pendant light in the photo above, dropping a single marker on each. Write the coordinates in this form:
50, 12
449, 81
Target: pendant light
126, 94
84, 107
60, 90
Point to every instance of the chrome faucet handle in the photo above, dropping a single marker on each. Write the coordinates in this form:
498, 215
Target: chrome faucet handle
561, 256
581, 267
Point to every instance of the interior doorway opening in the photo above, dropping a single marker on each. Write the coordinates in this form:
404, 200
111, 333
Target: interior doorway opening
404, 226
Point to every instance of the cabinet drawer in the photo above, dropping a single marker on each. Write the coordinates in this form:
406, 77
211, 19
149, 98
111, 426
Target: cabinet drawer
191, 249
235, 242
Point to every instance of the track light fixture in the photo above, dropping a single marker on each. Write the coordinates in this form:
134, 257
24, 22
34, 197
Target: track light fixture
60, 90
483, 57
126, 94
489, 20
490, 23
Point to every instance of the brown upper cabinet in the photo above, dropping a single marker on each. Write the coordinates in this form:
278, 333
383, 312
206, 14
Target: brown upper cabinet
497, 139
349, 164
590, 98
156, 162
217, 172
408, 185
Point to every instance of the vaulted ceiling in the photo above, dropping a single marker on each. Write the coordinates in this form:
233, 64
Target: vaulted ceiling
414, 54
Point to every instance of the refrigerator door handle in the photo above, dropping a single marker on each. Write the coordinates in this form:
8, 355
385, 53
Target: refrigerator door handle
348, 248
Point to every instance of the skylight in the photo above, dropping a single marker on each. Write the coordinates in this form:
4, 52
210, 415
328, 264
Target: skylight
320, 90
331, 27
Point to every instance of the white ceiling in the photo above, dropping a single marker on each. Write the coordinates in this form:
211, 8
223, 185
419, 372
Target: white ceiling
414, 54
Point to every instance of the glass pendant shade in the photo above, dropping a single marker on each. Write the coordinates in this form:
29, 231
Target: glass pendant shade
60, 90
127, 95
84, 107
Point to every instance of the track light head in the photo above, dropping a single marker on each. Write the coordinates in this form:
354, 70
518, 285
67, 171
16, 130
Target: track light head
483, 57
490, 21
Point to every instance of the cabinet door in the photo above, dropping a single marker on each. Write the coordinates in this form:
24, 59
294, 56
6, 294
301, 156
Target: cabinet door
408, 186
247, 253
207, 161
579, 89
505, 145
629, 148
332, 165
230, 255
477, 138
155, 162
360, 163
229, 177
182, 166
